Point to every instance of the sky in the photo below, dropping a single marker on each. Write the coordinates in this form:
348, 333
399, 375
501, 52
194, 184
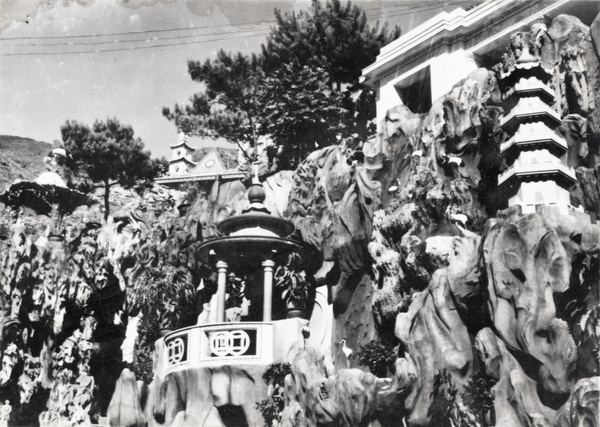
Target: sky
85, 60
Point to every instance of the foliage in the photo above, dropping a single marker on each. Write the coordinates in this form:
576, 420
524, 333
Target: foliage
300, 111
292, 282
379, 355
335, 37
108, 154
194, 191
477, 396
444, 396
276, 373
270, 411
235, 291
228, 107
166, 298
273, 405
293, 91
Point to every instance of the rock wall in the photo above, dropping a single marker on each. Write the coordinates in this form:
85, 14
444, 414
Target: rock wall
491, 316
493, 313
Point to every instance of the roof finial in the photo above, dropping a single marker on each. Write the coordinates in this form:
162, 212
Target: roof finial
255, 180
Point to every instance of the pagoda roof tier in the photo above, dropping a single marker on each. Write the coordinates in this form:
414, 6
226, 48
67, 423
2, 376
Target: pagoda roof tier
245, 253
529, 110
182, 141
527, 88
526, 172
184, 160
526, 70
533, 136
183, 144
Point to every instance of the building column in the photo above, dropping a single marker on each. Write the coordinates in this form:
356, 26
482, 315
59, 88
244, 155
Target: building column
221, 286
268, 289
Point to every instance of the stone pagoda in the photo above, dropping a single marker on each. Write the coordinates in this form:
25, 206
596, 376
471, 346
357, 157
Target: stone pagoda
181, 160
532, 150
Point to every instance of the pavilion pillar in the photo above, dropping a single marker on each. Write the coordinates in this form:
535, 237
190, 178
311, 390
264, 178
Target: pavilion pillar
268, 289
221, 286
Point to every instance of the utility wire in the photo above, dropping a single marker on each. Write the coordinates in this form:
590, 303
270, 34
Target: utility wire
259, 32
128, 48
146, 40
409, 5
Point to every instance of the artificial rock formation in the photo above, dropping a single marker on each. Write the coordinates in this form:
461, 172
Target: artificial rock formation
491, 316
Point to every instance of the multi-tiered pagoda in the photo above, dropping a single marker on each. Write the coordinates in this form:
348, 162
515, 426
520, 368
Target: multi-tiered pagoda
181, 160
536, 175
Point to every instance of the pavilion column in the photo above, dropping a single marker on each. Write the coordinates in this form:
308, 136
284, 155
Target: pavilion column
268, 289
221, 285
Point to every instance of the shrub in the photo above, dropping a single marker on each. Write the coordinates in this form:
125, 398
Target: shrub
379, 355
273, 405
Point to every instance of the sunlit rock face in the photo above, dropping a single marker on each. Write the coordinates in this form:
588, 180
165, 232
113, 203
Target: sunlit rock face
528, 260
473, 299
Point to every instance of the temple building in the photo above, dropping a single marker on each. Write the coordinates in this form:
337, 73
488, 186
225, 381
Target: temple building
425, 63
183, 169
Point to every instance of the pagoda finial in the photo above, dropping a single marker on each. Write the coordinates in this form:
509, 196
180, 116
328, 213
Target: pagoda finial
255, 180
256, 194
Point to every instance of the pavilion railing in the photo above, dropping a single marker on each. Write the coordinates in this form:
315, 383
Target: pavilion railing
248, 343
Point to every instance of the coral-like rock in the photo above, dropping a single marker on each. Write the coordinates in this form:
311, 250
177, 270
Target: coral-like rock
349, 397
436, 339
583, 407
124, 409
516, 402
527, 258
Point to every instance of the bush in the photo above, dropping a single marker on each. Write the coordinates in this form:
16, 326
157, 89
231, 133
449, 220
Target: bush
167, 299
478, 397
273, 405
379, 355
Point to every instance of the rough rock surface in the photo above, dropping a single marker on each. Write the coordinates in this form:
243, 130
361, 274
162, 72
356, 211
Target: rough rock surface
424, 258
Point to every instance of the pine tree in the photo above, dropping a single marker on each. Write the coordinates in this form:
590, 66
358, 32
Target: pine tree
108, 154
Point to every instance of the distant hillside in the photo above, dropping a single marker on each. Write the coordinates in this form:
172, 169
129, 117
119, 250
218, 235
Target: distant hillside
21, 158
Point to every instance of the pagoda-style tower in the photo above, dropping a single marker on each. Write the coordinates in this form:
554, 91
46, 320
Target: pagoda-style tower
536, 175
181, 161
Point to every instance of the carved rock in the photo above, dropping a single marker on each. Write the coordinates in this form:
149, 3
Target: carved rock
124, 409
516, 402
332, 204
435, 337
528, 258
583, 407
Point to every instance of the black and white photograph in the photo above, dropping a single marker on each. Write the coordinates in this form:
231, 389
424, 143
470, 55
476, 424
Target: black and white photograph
300, 213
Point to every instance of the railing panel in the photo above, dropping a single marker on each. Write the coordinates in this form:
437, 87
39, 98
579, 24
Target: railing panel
219, 344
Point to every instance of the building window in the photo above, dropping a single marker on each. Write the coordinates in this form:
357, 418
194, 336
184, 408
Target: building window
415, 92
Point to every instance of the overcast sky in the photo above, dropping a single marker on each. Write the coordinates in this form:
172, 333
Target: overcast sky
85, 60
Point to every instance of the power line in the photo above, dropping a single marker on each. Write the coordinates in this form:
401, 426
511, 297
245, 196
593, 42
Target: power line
135, 40
260, 32
129, 48
409, 5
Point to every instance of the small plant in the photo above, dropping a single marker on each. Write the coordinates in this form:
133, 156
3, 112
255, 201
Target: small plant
166, 297
379, 355
444, 397
273, 405
276, 373
478, 397
293, 283
235, 291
